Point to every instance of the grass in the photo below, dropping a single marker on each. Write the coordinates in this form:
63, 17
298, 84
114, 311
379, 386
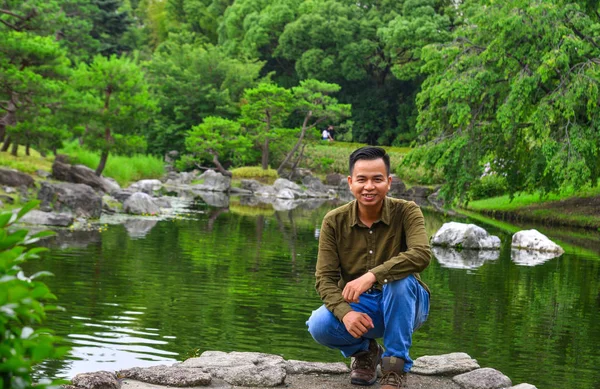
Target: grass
255, 172
124, 169
332, 157
26, 164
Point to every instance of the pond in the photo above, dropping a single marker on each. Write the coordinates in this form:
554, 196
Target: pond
242, 278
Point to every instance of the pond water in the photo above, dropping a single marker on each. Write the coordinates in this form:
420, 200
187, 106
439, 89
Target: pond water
242, 278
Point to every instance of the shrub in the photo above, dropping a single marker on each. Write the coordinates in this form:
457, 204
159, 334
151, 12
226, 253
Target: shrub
22, 302
254, 172
488, 186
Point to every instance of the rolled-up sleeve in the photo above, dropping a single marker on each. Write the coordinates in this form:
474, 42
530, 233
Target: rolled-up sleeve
328, 272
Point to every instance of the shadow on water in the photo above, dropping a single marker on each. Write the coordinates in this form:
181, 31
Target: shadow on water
240, 276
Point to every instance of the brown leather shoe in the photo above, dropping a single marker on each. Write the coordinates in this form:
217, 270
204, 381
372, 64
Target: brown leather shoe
364, 367
393, 375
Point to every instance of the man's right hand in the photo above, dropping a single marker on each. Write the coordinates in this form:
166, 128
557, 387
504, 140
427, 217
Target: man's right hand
357, 323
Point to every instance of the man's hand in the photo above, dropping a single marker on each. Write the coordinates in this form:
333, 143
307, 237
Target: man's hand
354, 289
357, 323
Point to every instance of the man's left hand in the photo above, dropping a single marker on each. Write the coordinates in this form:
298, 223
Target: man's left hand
355, 288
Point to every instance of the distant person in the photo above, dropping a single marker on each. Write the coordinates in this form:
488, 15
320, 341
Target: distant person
326, 135
371, 252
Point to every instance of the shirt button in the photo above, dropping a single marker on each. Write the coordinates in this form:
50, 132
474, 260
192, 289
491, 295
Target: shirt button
370, 251
370, 231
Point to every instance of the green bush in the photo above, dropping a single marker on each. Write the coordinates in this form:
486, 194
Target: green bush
254, 172
23, 343
488, 186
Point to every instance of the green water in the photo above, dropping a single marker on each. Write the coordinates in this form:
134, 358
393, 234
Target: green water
242, 279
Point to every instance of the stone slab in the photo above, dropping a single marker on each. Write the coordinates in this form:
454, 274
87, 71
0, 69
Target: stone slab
446, 364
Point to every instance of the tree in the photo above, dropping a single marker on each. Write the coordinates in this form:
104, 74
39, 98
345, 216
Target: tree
33, 72
115, 104
110, 22
218, 140
518, 89
191, 83
314, 102
264, 110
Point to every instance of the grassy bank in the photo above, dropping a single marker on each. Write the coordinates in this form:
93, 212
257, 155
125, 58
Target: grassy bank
569, 208
26, 164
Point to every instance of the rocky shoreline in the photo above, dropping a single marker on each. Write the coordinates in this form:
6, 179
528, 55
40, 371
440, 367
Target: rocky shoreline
216, 369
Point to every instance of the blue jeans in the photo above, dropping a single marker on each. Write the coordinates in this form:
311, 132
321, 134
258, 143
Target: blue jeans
397, 311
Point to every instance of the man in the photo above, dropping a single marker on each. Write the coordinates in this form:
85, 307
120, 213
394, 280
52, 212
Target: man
371, 252
326, 135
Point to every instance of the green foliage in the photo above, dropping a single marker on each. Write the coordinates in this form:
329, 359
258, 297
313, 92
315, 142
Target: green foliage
518, 86
218, 140
191, 83
488, 186
25, 302
27, 164
254, 172
124, 169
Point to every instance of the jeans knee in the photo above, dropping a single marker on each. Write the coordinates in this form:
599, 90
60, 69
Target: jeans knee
319, 324
403, 286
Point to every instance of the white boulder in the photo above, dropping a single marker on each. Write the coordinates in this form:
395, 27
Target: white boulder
466, 236
534, 240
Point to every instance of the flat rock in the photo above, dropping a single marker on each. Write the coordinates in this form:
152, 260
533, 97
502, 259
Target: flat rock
47, 218
534, 240
464, 259
314, 184
523, 386
303, 367
146, 186
79, 174
140, 203
168, 375
446, 364
286, 194
485, 378
133, 384
531, 257
466, 236
15, 178
242, 369
97, 380
251, 185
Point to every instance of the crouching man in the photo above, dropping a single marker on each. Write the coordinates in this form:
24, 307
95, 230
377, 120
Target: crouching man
371, 252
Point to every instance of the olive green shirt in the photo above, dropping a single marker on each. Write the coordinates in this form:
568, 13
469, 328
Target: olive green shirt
393, 248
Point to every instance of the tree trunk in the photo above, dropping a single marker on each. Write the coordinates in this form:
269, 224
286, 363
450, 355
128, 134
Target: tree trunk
295, 148
15, 148
27, 149
265, 147
6, 144
2, 132
297, 161
220, 167
102, 163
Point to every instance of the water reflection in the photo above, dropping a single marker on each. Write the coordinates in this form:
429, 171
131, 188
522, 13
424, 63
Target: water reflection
531, 257
242, 278
464, 259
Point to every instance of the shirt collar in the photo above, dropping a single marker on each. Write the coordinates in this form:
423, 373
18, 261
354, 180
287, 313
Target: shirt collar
385, 213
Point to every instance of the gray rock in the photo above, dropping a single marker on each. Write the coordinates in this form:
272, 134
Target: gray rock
139, 228
418, 192
140, 203
486, 378
334, 179
122, 194
286, 194
47, 218
97, 380
535, 240
397, 187
146, 186
467, 236
163, 202
298, 174
78, 174
314, 184
241, 191
15, 178
110, 204
302, 367
251, 185
531, 257
43, 173
265, 191
9, 189
111, 184
523, 386
79, 199
168, 376
464, 259
242, 369
215, 181
282, 183
215, 199
447, 364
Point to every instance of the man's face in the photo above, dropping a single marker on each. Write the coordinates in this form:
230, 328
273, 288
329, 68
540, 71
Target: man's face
369, 182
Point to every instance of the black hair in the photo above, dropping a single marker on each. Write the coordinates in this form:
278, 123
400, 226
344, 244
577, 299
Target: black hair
370, 153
